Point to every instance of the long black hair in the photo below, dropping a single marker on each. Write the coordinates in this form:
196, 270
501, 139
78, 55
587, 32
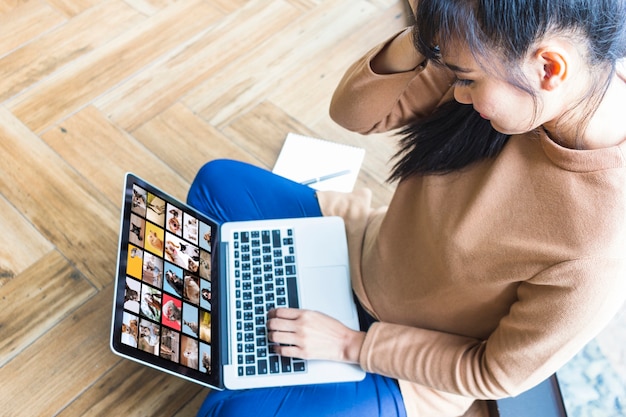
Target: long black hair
454, 136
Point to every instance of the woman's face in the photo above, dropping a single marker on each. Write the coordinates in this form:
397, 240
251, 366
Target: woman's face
509, 109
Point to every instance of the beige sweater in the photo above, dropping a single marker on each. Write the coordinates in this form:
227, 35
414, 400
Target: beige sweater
485, 281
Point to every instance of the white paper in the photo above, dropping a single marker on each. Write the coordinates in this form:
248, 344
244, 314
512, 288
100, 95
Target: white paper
323, 165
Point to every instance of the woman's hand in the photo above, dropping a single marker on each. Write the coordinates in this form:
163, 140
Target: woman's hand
309, 334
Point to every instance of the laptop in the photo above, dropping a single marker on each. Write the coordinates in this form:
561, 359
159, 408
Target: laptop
192, 296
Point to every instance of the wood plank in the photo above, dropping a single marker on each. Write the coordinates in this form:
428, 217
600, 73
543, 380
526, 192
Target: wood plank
9, 5
134, 390
58, 366
30, 247
192, 406
149, 7
39, 298
185, 142
71, 8
158, 87
57, 201
25, 21
242, 86
229, 6
68, 91
103, 153
49, 53
263, 130
305, 90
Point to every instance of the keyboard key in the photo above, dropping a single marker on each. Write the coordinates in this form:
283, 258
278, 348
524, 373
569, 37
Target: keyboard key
274, 364
262, 366
285, 364
276, 241
298, 366
292, 292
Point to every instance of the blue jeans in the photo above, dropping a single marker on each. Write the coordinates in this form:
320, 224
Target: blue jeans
228, 191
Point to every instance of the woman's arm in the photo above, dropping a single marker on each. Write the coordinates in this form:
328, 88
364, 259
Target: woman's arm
397, 56
389, 87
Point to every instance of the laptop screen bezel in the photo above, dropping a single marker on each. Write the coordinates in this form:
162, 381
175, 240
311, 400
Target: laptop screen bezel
214, 379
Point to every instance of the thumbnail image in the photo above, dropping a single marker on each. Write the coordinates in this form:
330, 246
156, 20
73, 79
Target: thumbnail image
174, 217
189, 355
148, 337
156, 210
205, 290
136, 230
151, 302
205, 232
140, 197
190, 228
205, 264
131, 295
153, 270
172, 312
154, 239
135, 261
190, 320
170, 341
130, 329
205, 354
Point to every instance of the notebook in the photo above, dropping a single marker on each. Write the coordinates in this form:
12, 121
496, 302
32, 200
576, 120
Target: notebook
191, 296
319, 163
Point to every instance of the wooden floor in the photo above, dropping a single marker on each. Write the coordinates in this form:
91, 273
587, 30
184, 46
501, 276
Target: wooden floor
90, 89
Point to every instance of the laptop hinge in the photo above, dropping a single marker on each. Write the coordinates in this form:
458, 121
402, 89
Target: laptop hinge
224, 309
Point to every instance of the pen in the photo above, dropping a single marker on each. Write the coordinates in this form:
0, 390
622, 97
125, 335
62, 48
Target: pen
326, 177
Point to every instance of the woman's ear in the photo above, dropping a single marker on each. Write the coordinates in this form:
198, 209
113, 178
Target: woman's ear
555, 64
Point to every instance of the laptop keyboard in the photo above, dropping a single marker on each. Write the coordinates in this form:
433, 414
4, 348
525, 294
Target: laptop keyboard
265, 278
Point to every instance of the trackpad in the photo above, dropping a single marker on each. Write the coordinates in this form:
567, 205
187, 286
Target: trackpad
328, 290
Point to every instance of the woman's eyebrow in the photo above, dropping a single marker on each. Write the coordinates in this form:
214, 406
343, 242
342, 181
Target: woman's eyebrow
456, 68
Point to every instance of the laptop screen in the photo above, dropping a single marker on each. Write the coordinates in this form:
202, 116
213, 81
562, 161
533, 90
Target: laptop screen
164, 303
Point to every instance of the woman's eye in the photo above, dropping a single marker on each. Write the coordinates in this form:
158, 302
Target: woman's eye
462, 82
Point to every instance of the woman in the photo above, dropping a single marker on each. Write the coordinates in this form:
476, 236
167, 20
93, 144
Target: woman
503, 250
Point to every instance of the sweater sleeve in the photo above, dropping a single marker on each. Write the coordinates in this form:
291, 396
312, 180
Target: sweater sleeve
367, 102
556, 314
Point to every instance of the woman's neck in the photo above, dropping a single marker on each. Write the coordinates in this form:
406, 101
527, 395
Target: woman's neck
605, 128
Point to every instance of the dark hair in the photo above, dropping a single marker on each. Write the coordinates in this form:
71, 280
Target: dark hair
454, 137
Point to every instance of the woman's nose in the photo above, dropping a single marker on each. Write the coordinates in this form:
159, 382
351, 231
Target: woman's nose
462, 95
